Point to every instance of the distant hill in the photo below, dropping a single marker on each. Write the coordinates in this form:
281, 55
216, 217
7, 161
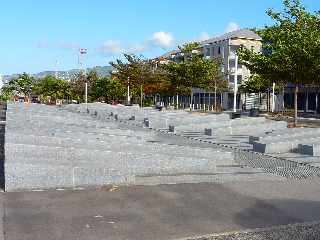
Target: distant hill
103, 71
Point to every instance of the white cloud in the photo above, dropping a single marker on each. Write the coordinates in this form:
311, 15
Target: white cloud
162, 39
158, 39
232, 26
137, 48
203, 36
111, 47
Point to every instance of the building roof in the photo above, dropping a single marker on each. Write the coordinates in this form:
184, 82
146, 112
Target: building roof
168, 54
242, 33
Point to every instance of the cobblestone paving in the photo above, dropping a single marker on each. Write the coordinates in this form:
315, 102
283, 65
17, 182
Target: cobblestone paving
303, 231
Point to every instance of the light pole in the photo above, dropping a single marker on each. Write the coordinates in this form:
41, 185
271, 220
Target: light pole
128, 92
273, 97
57, 71
83, 52
235, 91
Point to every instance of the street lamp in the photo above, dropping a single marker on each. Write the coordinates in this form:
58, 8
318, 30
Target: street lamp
235, 91
82, 52
128, 92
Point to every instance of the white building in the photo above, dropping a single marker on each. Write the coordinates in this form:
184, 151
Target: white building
224, 48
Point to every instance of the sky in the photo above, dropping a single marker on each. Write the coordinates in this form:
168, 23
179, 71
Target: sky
39, 35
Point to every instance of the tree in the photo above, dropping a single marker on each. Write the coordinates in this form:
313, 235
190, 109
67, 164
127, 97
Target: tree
108, 89
217, 83
6, 93
255, 84
194, 71
291, 48
51, 88
78, 84
141, 75
21, 85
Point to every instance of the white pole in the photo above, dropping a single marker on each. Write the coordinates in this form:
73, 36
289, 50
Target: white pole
128, 91
273, 97
177, 101
86, 92
56, 73
235, 85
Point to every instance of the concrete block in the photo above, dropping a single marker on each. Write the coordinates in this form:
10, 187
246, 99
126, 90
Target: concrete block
132, 118
259, 147
208, 131
146, 122
235, 115
253, 139
171, 129
309, 149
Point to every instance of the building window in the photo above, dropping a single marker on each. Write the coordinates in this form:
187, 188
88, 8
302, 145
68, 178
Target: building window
233, 49
232, 63
219, 50
207, 51
212, 49
231, 78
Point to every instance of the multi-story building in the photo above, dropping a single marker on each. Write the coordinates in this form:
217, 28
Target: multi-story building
225, 49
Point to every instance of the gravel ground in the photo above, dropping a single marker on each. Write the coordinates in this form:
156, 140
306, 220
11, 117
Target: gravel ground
304, 231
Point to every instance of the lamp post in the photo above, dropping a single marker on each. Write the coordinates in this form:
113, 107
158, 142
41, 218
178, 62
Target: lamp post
273, 97
128, 92
235, 91
82, 52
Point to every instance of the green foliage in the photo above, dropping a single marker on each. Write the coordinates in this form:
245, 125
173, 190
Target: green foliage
255, 84
78, 85
169, 79
108, 89
51, 88
6, 93
190, 48
195, 71
21, 86
141, 74
291, 47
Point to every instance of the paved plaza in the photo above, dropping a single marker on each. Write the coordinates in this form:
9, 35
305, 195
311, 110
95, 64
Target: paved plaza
174, 212
66, 147
114, 172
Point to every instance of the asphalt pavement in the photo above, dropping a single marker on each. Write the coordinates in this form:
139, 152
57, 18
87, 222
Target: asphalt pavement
178, 211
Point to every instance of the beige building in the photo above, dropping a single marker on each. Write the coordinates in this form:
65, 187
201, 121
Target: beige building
224, 48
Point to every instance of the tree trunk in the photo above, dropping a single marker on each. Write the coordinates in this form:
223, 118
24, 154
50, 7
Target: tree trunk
296, 105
